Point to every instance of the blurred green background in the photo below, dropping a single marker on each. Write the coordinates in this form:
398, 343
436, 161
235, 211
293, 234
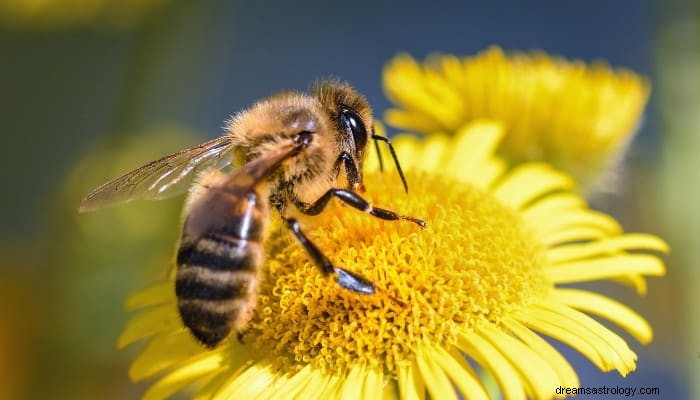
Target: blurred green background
92, 88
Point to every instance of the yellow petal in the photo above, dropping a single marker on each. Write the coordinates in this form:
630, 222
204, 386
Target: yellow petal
473, 145
159, 293
490, 172
552, 204
411, 385
528, 182
248, 383
605, 268
490, 358
433, 153
352, 387
186, 374
540, 378
410, 121
606, 308
612, 347
556, 328
606, 246
391, 390
468, 384
158, 319
436, 381
208, 391
292, 386
373, 387
162, 352
612, 350
571, 221
567, 375
333, 386
637, 282
575, 234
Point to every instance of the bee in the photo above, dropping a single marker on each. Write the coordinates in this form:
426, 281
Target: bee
290, 151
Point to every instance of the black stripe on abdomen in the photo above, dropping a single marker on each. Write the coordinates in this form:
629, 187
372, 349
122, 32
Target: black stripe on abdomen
213, 284
198, 282
217, 253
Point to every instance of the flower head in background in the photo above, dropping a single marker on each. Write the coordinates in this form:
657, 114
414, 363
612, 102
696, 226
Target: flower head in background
578, 117
479, 286
52, 14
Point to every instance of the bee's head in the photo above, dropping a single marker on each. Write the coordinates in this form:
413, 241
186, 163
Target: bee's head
352, 117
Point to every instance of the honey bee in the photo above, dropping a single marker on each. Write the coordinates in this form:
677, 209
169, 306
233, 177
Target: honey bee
291, 149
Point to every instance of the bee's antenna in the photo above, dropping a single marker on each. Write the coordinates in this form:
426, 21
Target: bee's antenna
393, 155
379, 153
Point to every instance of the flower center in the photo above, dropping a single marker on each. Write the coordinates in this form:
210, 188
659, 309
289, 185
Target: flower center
474, 261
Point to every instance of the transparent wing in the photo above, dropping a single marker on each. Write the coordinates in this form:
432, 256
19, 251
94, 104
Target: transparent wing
204, 213
168, 176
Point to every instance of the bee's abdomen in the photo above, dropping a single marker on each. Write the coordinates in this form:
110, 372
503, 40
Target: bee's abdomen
215, 284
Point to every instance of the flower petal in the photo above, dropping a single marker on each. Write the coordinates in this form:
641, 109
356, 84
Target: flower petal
471, 158
527, 182
433, 153
162, 292
436, 381
554, 327
621, 356
606, 246
248, 383
352, 387
553, 203
184, 375
637, 282
468, 384
574, 234
605, 268
294, 385
157, 319
410, 120
208, 391
607, 308
602, 347
572, 221
490, 358
411, 384
539, 377
567, 375
162, 352
373, 387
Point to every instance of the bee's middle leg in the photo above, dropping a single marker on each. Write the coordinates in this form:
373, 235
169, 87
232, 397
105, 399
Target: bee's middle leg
343, 277
354, 200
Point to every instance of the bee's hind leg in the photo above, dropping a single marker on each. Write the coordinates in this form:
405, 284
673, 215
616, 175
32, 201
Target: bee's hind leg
343, 277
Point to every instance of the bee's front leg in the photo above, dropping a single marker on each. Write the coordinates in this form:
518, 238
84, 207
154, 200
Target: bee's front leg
354, 200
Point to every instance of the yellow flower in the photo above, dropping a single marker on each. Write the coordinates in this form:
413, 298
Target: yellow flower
481, 282
574, 116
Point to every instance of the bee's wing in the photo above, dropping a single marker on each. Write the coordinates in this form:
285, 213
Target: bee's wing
246, 177
168, 176
205, 213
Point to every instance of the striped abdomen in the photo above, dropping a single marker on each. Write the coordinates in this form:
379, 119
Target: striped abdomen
218, 264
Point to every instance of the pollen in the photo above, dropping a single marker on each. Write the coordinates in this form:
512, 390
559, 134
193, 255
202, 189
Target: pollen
475, 261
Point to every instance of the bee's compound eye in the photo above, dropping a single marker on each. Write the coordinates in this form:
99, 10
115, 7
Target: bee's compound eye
352, 122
